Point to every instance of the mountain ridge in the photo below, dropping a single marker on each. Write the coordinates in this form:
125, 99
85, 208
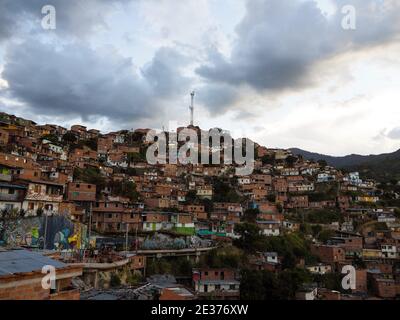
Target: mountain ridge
383, 167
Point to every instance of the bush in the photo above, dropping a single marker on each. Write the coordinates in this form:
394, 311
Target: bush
115, 281
134, 279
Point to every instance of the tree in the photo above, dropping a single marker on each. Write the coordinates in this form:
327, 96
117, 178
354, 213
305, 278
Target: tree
325, 235
322, 163
8, 219
250, 215
291, 160
268, 159
397, 212
265, 285
291, 280
90, 175
224, 192
251, 239
51, 137
115, 280
222, 258
125, 189
69, 138
258, 285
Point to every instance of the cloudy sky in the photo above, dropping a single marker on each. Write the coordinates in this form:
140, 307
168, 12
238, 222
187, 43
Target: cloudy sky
282, 72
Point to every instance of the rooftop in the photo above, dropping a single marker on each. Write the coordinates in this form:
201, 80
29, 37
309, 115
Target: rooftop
21, 261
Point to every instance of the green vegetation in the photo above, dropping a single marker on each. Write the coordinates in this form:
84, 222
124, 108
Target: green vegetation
134, 278
291, 247
397, 213
90, 175
322, 216
265, 285
224, 192
115, 280
125, 189
136, 157
69, 138
179, 266
251, 239
91, 144
250, 215
229, 257
325, 235
52, 138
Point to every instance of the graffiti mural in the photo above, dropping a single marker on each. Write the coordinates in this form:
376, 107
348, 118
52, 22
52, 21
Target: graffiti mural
56, 232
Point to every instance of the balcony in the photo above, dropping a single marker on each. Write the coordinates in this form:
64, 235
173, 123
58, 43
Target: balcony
11, 197
5, 177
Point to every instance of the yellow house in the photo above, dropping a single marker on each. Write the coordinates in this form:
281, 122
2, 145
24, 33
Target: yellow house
371, 254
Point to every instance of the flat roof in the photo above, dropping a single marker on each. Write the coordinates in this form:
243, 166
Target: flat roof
21, 261
221, 282
11, 185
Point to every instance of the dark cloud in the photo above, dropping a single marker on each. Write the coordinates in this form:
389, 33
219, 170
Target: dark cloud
280, 42
74, 80
162, 73
74, 17
218, 97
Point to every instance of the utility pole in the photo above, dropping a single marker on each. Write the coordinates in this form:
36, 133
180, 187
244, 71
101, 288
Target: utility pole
45, 232
90, 222
126, 238
136, 240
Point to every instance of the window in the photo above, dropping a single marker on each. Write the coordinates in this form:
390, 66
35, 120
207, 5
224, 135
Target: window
11, 191
232, 287
78, 185
206, 273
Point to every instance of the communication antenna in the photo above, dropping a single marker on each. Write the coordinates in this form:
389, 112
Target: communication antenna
191, 107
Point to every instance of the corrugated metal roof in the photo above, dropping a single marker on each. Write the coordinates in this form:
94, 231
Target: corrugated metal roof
16, 261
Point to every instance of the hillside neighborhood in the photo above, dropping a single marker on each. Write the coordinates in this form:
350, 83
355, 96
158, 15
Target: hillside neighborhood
118, 228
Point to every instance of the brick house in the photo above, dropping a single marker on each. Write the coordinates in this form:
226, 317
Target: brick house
219, 283
329, 254
115, 217
21, 277
81, 192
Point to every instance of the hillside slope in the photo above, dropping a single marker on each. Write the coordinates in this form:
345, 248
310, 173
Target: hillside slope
383, 167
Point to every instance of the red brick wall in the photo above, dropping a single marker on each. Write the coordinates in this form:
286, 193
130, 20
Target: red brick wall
361, 281
3, 137
329, 254
81, 192
216, 274
25, 292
